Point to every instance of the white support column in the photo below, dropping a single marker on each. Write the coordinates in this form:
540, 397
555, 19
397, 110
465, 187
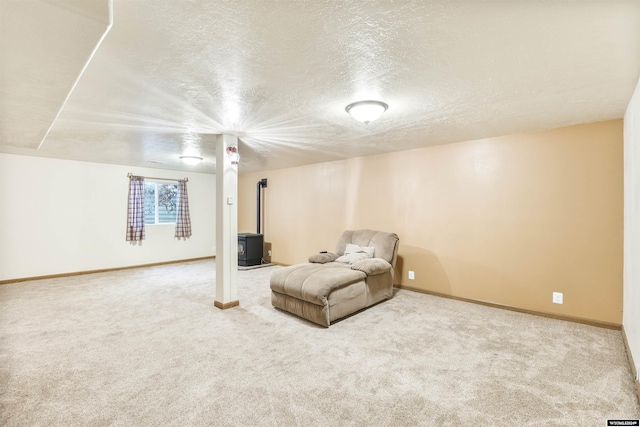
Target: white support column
226, 224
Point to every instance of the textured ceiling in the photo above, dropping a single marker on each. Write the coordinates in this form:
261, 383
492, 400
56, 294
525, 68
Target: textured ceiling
44, 45
170, 74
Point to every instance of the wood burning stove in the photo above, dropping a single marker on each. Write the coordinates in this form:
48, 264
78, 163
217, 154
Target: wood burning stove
250, 247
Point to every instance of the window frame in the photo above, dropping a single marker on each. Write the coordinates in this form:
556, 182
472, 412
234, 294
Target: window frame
156, 194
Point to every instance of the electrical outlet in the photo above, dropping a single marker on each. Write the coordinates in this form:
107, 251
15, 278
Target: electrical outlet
269, 252
557, 298
412, 275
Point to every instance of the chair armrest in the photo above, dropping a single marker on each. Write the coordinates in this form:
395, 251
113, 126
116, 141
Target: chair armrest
323, 258
371, 266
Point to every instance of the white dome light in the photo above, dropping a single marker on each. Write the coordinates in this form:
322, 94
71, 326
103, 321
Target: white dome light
191, 160
366, 111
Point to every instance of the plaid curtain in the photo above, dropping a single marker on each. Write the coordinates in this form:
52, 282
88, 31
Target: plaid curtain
135, 216
183, 221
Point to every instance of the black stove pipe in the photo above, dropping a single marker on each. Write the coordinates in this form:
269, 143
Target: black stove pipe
261, 184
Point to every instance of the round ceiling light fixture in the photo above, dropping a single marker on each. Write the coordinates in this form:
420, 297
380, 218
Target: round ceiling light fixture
366, 111
191, 160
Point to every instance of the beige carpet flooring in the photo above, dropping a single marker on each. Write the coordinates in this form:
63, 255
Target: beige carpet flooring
146, 347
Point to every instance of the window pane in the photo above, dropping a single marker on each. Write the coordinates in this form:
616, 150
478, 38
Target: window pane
167, 202
149, 203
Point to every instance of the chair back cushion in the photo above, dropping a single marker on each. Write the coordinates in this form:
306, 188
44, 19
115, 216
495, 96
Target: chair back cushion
385, 244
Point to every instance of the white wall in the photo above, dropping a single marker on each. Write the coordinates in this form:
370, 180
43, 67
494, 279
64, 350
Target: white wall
61, 216
631, 306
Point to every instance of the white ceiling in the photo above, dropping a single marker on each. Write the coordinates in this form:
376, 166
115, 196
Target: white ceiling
170, 74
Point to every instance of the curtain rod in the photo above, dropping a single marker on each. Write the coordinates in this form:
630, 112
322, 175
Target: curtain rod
129, 175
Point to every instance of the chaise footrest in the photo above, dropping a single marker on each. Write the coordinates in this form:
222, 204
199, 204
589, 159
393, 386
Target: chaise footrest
313, 282
319, 292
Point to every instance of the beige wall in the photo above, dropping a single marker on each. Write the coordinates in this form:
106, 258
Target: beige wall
507, 220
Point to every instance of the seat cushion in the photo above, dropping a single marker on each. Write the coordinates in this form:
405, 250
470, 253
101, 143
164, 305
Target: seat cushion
314, 282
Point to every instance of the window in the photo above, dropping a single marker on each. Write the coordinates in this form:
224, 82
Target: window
160, 202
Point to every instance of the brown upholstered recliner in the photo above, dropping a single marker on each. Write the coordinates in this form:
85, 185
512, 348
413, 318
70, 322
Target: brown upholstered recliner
334, 285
